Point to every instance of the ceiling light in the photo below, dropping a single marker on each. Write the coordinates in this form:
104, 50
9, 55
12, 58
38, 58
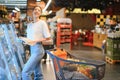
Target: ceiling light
14, 11
50, 12
10, 4
47, 5
16, 8
38, 0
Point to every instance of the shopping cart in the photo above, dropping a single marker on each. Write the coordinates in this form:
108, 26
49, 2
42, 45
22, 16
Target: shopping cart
69, 67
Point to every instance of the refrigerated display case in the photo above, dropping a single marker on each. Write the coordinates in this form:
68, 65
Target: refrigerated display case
17, 42
10, 34
6, 64
12, 51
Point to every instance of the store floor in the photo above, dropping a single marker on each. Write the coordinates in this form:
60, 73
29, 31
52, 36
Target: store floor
112, 70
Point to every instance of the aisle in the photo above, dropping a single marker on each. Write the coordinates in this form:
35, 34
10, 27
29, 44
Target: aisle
48, 70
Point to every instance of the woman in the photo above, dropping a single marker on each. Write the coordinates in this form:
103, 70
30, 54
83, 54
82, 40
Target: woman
37, 32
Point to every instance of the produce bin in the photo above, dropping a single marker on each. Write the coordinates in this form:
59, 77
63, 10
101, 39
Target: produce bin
69, 67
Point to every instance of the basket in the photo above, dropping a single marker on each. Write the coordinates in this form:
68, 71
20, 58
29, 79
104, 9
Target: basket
70, 67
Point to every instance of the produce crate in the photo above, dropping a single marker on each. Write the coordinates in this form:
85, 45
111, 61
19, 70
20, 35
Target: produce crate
113, 43
69, 67
112, 59
113, 52
113, 48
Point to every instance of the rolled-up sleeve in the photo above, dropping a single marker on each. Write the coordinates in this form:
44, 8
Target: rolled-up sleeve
46, 32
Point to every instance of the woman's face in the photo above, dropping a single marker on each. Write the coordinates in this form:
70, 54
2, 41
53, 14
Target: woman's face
37, 12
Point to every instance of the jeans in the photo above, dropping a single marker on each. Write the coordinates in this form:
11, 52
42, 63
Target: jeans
34, 63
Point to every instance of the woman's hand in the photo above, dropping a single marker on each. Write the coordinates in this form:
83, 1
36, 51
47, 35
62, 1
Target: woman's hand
31, 43
28, 41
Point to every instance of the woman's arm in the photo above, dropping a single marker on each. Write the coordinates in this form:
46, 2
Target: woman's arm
44, 41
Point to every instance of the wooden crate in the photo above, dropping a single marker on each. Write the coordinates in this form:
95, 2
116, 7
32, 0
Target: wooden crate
111, 61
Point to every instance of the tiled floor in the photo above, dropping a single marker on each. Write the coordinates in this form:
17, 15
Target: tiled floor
48, 71
112, 70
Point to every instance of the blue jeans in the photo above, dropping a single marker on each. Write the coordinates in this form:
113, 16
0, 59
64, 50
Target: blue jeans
34, 63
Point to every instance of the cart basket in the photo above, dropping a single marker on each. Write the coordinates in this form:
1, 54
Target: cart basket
69, 67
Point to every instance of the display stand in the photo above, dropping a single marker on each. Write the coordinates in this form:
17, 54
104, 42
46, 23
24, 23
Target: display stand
64, 31
98, 39
11, 65
4, 67
12, 51
113, 48
19, 45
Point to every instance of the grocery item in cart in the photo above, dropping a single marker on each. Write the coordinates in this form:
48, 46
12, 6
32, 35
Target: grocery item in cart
60, 53
73, 68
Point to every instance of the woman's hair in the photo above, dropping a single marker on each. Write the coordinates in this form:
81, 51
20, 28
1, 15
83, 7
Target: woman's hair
37, 6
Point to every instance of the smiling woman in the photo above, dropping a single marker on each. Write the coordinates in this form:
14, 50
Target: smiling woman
36, 27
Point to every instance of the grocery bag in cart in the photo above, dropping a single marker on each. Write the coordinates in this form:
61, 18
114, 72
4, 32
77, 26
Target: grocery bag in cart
69, 67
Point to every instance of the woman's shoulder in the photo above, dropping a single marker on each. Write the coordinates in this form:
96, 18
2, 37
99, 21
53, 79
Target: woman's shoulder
29, 24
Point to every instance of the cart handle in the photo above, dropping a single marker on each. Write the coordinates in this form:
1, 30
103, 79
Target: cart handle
86, 63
